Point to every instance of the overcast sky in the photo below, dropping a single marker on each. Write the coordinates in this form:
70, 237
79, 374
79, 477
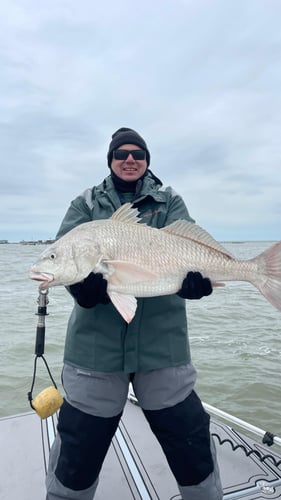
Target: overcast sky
199, 80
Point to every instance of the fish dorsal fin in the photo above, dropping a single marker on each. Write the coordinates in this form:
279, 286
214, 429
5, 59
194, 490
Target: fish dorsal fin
193, 232
127, 214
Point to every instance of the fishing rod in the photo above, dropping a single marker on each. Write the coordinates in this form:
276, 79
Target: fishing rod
48, 401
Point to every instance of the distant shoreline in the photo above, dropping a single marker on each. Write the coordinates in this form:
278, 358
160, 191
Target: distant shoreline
26, 242
50, 241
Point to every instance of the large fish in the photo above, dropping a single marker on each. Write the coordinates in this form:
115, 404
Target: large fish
140, 261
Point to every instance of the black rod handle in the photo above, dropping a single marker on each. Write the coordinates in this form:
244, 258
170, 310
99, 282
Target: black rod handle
40, 340
40, 331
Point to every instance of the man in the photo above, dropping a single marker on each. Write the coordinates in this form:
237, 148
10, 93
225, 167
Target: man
103, 353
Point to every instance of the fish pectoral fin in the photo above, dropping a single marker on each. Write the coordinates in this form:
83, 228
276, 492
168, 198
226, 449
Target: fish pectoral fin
126, 305
217, 284
122, 272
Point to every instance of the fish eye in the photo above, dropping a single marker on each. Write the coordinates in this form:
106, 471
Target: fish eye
52, 256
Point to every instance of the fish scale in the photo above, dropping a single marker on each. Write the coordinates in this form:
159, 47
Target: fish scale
141, 261
170, 255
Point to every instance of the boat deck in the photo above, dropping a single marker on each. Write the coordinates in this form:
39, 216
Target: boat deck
135, 467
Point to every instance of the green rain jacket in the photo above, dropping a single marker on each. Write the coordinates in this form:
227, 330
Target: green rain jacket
98, 338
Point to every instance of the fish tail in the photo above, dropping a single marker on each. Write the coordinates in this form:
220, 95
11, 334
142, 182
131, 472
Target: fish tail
269, 276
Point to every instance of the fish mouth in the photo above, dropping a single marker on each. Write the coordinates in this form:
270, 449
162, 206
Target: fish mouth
46, 278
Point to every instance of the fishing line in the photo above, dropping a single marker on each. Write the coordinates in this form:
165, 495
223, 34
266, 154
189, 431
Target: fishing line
48, 401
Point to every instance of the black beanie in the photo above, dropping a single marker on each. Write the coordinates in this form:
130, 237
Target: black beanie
126, 136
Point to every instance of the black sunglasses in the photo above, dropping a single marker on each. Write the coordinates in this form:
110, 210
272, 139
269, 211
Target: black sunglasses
122, 154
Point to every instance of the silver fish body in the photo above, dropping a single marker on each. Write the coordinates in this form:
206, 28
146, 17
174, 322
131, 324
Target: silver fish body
140, 261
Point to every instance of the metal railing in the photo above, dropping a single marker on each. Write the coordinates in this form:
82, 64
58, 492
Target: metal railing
241, 423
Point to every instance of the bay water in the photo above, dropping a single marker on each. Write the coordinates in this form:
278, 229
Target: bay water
235, 337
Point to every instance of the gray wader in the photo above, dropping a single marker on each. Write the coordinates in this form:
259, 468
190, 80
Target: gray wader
89, 417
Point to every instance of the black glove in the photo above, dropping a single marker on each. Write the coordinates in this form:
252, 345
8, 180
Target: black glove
91, 291
194, 286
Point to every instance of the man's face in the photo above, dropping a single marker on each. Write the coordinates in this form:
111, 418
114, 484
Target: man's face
129, 169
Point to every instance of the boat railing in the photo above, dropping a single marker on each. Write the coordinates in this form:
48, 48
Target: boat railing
267, 436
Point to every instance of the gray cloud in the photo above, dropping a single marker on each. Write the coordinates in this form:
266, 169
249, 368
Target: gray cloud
201, 82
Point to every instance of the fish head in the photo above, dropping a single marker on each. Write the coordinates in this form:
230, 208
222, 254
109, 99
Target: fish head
65, 262
71, 258
55, 266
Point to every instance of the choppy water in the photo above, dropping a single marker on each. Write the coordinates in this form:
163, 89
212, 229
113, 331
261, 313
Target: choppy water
235, 339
